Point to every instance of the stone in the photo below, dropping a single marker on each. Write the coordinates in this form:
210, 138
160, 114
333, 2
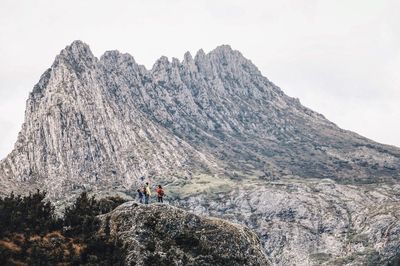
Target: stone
164, 235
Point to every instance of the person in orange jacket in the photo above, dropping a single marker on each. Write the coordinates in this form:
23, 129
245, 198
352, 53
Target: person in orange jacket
160, 194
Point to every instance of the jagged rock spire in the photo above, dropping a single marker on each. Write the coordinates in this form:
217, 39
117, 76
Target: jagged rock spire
77, 55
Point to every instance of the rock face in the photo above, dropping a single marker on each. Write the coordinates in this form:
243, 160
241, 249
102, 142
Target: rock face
106, 122
312, 222
83, 129
222, 138
165, 235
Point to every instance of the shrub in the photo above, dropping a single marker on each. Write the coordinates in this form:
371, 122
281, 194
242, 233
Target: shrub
30, 232
29, 214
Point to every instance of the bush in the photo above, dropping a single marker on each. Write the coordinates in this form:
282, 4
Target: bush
80, 218
30, 232
29, 214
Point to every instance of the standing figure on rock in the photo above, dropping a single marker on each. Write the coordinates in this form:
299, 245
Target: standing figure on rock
147, 193
140, 195
160, 194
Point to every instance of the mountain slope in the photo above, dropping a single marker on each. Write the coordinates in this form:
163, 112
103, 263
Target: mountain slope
221, 100
78, 131
111, 120
218, 134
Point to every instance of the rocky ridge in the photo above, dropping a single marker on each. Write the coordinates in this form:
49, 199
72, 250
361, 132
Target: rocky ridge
226, 142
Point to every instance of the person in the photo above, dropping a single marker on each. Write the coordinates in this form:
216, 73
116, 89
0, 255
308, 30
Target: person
140, 195
160, 194
147, 193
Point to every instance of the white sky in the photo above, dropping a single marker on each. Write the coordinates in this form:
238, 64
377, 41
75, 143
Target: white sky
341, 58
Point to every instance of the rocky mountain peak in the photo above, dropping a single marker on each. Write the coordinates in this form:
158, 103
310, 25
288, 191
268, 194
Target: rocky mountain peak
77, 51
116, 56
221, 96
215, 130
189, 63
76, 57
188, 58
160, 64
78, 45
115, 60
226, 54
224, 58
223, 49
175, 62
200, 56
203, 64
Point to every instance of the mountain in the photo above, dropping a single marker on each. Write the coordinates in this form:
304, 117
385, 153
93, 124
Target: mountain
223, 139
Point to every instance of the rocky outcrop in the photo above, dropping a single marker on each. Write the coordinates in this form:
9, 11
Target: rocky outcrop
165, 235
311, 222
222, 138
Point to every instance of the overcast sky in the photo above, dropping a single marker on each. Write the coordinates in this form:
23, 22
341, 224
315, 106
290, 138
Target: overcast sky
340, 58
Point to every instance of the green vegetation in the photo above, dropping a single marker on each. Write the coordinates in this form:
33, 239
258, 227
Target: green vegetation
31, 234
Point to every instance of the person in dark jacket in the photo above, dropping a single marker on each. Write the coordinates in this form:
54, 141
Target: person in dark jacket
140, 195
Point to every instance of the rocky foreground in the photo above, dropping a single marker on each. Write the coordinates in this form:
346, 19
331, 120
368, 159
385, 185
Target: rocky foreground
165, 235
111, 231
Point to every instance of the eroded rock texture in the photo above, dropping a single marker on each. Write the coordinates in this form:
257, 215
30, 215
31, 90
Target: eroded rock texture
223, 139
313, 222
165, 235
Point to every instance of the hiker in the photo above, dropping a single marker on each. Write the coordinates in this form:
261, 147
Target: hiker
147, 193
160, 194
140, 195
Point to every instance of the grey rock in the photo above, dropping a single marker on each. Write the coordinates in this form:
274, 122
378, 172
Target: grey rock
165, 235
311, 222
222, 138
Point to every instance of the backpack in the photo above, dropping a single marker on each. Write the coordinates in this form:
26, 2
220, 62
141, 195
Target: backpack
161, 193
